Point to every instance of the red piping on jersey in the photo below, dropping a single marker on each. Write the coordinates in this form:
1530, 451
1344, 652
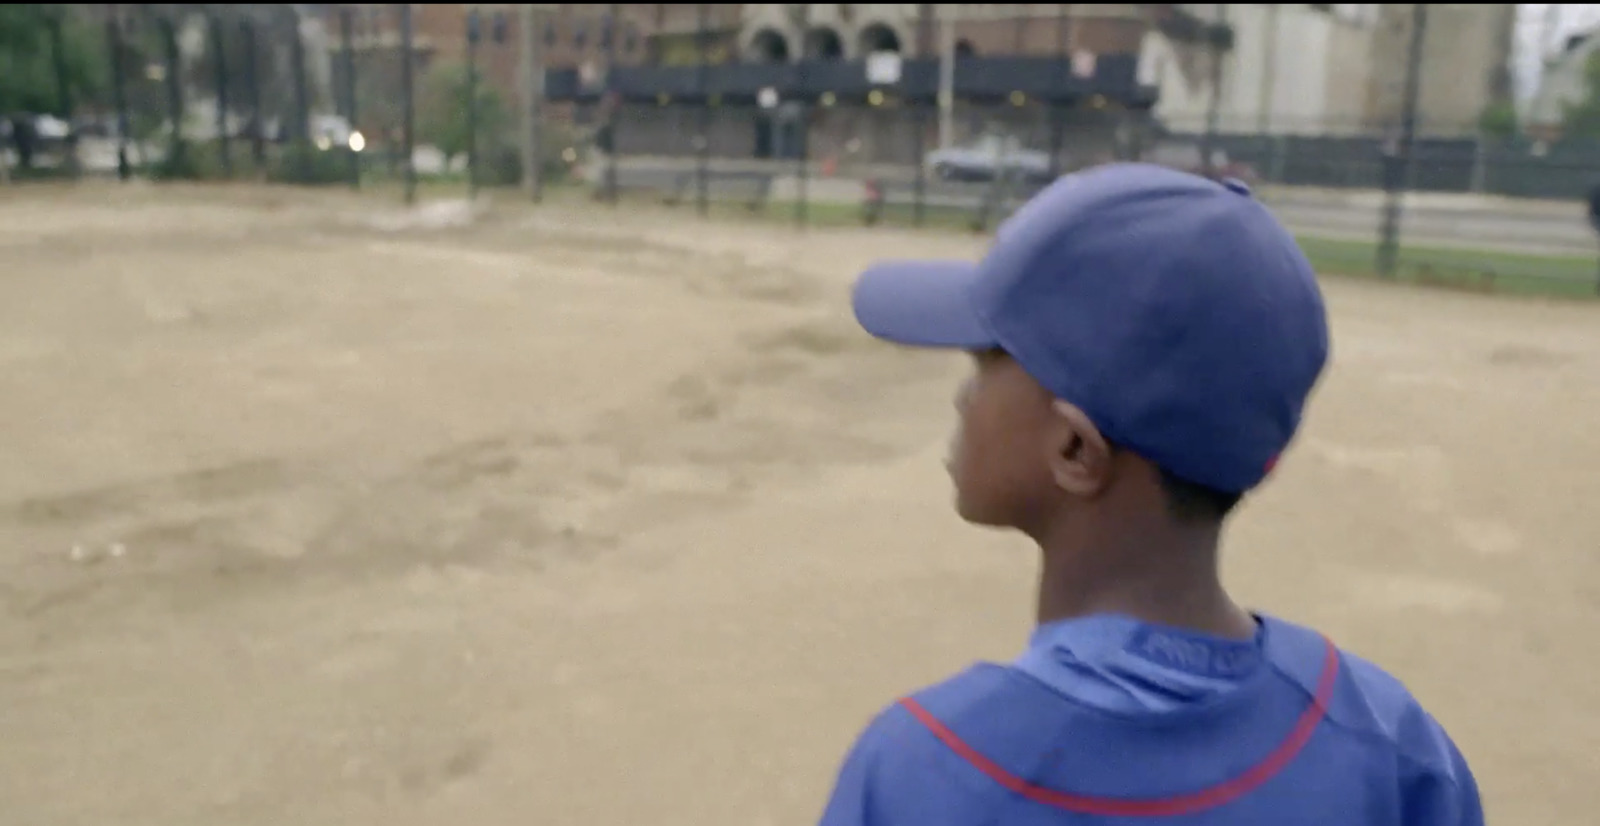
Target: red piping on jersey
1224, 792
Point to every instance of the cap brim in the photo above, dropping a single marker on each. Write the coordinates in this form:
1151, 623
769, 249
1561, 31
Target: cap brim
922, 304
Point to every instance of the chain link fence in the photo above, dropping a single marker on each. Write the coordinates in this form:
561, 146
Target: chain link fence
1501, 212
333, 95
204, 92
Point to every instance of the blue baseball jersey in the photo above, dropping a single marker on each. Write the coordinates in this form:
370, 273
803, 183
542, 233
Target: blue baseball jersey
1105, 719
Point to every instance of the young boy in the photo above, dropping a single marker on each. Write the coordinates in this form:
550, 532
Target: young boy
1144, 341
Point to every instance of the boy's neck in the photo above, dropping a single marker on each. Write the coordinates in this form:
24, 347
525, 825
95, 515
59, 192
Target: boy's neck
1176, 585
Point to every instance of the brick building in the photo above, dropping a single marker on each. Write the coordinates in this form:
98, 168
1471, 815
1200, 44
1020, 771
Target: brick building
587, 36
578, 35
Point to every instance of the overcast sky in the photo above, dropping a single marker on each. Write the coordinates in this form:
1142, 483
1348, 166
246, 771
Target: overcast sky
1531, 25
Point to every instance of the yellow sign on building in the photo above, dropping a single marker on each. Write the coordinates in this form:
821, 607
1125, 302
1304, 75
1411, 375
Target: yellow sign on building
681, 50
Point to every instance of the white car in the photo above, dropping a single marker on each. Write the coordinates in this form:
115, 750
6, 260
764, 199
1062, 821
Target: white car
988, 155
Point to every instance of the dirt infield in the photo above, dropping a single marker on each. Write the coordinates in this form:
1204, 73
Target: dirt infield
314, 512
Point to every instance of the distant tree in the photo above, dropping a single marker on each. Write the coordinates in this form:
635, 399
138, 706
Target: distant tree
1499, 120
442, 116
1582, 119
28, 80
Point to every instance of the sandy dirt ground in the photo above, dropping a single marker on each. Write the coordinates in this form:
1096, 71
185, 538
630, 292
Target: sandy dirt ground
313, 511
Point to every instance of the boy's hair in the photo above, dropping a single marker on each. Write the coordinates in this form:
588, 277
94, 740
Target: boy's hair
1189, 502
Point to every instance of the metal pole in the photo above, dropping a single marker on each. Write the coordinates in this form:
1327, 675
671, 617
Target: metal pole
1268, 77
1208, 144
473, 35
119, 92
532, 72
612, 103
947, 73
802, 124
702, 171
169, 43
347, 45
1398, 166
919, 117
302, 100
252, 87
220, 66
1063, 80
58, 55
58, 59
407, 105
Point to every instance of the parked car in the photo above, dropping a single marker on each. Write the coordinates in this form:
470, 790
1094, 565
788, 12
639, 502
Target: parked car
35, 140
1189, 158
985, 157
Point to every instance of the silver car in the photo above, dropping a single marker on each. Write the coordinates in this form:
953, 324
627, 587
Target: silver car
984, 158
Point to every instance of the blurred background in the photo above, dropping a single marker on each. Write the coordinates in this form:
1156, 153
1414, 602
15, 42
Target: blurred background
413, 412
1457, 142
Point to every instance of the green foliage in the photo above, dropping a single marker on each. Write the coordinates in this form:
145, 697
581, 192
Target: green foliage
501, 162
1499, 120
442, 116
302, 163
501, 166
28, 64
199, 161
1582, 119
183, 162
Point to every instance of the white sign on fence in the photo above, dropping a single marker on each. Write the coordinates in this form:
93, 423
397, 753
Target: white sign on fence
1083, 64
767, 97
591, 74
883, 68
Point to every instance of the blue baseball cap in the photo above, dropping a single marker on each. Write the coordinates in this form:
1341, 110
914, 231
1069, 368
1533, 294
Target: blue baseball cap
1175, 311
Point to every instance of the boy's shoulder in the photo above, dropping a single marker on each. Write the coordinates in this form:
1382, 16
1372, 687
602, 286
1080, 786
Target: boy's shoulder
1375, 705
1023, 719
992, 737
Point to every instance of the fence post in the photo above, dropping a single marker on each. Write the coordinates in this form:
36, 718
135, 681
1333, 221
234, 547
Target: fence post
252, 87
347, 44
1594, 224
1480, 162
219, 57
532, 72
302, 101
119, 92
999, 184
703, 83
919, 154
919, 114
802, 119
169, 44
1398, 166
1063, 81
474, 25
407, 106
58, 60
947, 73
613, 102
1279, 159
1208, 143
64, 102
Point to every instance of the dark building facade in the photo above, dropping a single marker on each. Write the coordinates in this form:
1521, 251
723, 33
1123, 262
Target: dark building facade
1090, 48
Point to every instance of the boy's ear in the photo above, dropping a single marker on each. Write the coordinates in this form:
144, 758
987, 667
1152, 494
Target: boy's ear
1079, 457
